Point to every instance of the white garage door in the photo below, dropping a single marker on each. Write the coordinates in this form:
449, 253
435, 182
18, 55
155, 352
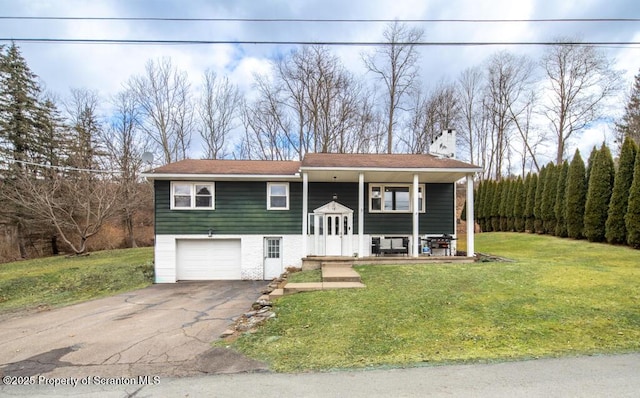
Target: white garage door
208, 259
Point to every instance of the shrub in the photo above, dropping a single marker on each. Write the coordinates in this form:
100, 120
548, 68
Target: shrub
575, 197
616, 230
598, 195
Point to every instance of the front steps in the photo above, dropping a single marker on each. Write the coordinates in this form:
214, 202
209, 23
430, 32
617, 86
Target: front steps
335, 275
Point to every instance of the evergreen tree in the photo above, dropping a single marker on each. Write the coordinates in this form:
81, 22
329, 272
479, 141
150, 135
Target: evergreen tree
495, 206
486, 205
629, 126
19, 108
519, 200
598, 195
477, 204
561, 196
549, 199
575, 197
616, 231
590, 162
537, 210
531, 203
505, 210
632, 218
513, 187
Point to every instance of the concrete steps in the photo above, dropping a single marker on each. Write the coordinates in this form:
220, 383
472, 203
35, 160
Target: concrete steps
339, 273
335, 275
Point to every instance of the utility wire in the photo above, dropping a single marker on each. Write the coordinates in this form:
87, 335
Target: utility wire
313, 43
319, 20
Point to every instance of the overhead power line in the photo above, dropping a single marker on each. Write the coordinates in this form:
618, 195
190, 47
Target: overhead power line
319, 20
313, 43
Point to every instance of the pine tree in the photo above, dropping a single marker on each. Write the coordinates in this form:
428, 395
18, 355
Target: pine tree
531, 203
19, 107
561, 200
629, 126
598, 195
616, 231
575, 197
537, 210
632, 218
549, 199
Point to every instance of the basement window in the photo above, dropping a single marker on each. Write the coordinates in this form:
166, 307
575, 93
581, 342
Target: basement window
192, 195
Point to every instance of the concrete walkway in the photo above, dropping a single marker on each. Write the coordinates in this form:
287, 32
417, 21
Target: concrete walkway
600, 376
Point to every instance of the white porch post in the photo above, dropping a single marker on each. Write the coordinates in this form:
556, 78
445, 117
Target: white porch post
416, 219
305, 211
361, 215
471, 222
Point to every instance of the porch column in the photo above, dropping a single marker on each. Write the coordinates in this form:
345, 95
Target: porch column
361, 215
416, 218
471, 222
305, 210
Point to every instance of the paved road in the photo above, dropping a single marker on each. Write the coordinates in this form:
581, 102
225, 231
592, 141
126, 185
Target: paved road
602, 376
163, 330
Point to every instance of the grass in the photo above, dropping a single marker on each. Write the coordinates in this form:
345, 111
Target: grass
560, 297
306, 276
56, 281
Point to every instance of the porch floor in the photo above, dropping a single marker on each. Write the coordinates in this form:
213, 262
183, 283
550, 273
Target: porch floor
315, 262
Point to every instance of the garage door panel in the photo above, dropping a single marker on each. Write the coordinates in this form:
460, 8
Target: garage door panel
206, 259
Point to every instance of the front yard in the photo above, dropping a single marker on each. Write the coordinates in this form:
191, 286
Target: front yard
54, 281
560, 297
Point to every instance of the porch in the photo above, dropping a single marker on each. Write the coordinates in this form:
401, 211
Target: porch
316, 262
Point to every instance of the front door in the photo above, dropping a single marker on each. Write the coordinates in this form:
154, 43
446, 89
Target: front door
334, 233
332, 227
272, 257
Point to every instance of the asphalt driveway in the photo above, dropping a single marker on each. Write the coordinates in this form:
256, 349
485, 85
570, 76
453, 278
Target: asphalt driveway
162, 330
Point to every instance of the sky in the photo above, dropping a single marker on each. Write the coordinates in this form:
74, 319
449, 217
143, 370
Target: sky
105, 67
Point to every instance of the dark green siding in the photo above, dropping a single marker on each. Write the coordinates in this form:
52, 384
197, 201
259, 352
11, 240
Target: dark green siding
438, 218
240, 208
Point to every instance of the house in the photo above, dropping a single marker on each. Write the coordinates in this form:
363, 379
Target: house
249, 219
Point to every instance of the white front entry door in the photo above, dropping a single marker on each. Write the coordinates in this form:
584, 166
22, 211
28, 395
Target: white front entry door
334, 232
272, 257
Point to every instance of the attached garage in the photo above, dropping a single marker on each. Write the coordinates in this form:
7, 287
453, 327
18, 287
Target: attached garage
208, 259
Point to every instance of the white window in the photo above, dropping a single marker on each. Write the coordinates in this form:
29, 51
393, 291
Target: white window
192, 195
394, 198
277, 196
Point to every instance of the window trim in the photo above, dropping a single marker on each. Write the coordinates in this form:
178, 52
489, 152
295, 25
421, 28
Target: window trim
286, 187
193, 195
421, 187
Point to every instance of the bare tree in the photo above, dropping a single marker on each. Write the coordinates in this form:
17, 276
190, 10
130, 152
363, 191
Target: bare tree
470, 132
396, 65
163, 95
125, 146
579, 81
84, 147
509, 78
77, 206
218, 110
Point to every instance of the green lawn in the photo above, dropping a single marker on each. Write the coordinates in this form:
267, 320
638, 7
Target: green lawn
560, 297
55, 281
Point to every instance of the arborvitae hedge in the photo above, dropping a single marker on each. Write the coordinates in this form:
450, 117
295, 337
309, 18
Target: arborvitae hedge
549, 199
632, 218
531, 203
559, 209
590, 162
519, 199
537, 209
598, 195
495, 206
504, 205
488, 203
575, 197
616, 230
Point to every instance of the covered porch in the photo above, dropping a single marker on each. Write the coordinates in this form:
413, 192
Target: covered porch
333, 229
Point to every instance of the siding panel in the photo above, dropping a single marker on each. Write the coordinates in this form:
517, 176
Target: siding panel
240, 208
